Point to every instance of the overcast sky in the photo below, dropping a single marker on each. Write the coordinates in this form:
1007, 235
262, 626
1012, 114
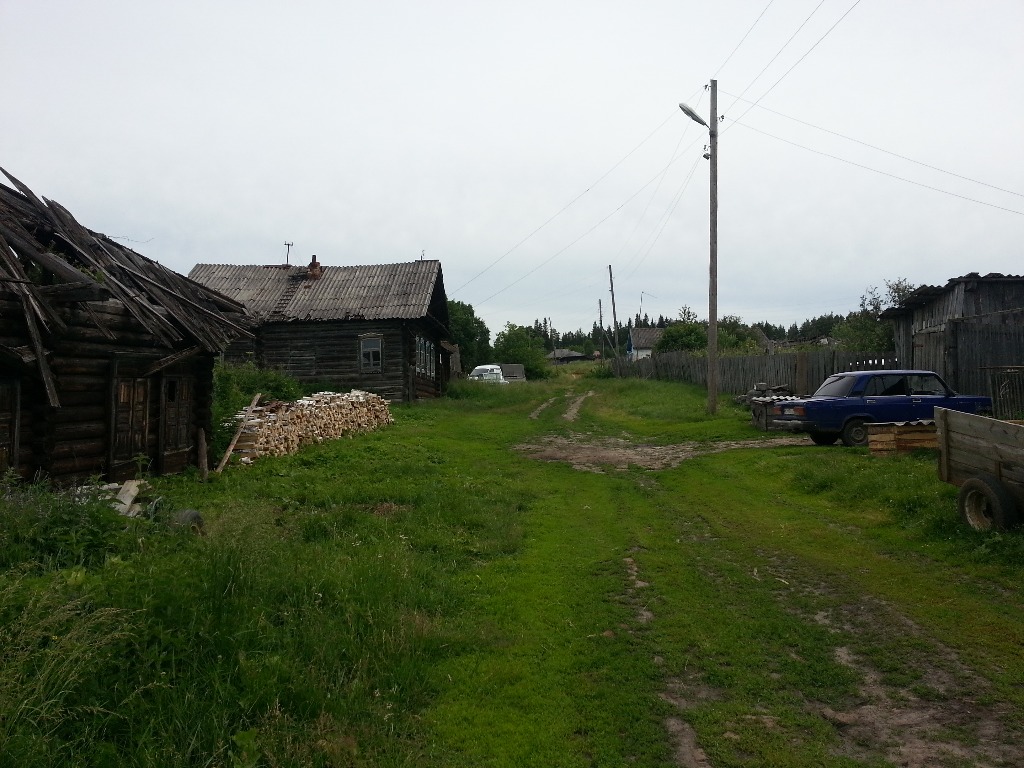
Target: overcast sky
530, 145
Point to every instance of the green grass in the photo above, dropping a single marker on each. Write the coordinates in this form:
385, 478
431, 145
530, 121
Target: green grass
427, 596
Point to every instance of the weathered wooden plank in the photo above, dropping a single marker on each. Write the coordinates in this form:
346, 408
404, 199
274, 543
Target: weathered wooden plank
241, 426
970, 462
985, 429
68, 292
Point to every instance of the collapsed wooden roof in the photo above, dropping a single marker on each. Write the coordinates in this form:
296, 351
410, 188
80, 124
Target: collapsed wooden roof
48, 259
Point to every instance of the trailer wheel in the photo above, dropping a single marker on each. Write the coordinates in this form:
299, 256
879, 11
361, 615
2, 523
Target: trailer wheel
824, 438
986, 505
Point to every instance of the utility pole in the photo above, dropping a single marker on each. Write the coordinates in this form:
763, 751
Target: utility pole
713, 266
712, 155
615, 320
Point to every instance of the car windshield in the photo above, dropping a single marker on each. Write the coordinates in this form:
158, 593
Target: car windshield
836, 386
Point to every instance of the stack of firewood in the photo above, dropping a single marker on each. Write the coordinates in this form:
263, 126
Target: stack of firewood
278, 428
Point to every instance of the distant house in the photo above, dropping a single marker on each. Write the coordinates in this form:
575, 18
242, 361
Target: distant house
563, 356
962, 330
513, 372
380, 328
642, 341
106, 357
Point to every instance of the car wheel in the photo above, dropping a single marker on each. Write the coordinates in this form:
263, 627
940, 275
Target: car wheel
855, 433
824, 438
985, 504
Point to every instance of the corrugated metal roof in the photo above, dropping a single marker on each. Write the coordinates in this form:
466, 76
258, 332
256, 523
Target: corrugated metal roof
927, 293
645, 338
284, 293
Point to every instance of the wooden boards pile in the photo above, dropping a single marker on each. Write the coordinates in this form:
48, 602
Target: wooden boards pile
278, 428
888, 439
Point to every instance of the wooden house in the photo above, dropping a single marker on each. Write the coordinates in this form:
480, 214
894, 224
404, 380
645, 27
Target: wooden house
380, 328
106, 357
642, 342
963, 330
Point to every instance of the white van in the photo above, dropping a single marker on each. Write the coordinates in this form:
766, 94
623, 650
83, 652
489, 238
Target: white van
491, 373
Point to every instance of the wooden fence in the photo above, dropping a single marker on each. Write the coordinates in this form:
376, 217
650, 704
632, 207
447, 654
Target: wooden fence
802, 372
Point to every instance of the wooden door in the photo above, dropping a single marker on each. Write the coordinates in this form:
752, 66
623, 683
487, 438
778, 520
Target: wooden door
9, 418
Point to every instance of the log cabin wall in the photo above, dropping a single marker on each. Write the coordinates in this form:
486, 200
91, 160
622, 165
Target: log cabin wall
331, 354
116, 414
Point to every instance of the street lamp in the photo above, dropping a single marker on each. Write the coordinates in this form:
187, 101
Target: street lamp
713, 262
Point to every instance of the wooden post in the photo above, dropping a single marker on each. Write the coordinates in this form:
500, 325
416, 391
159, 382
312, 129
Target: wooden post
615, 319
203, 458
713, 265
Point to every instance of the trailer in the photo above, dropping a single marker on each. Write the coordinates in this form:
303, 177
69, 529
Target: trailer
984, 458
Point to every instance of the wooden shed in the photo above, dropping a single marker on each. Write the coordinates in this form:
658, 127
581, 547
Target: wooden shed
106, 357
642, 342
962, 330
380, 328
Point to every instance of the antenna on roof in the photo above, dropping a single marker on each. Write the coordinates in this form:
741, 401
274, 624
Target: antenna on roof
288, 253
423, 255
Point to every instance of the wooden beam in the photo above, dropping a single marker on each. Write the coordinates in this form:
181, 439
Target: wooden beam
238, 433
166, 362
189, 302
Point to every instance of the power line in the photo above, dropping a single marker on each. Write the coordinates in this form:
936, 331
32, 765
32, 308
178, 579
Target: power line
595, 226
779, 53
727, 58
798, 61
881, 149
875, 170
566, 206
665, 218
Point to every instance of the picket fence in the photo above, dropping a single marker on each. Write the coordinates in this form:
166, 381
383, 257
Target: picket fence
801, 372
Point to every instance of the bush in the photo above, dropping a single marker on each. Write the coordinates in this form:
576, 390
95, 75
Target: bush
234, 386
54, 529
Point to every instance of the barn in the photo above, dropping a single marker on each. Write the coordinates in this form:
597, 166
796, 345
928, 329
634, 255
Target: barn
965, 330
106, 357
380, 328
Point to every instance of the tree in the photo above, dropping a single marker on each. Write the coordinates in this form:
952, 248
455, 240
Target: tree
865, 331
470, 333
518, 344
682, 336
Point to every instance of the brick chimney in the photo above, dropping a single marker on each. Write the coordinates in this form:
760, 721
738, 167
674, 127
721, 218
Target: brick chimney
314, 271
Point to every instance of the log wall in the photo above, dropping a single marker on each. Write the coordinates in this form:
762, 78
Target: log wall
328, 354
100, 347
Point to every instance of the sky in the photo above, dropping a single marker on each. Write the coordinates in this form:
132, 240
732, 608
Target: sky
531, 146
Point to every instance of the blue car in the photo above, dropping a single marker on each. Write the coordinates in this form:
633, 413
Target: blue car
844, 405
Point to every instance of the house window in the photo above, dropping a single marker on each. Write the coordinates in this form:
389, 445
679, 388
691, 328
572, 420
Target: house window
425, 357
371, 353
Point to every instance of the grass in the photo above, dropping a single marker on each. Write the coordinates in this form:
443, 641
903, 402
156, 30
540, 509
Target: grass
425, 595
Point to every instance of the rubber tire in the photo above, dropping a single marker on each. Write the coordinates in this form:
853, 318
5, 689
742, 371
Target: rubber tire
824, 438
855, 433
985, 505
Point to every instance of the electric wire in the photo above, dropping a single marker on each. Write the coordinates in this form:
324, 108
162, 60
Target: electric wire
779, 53
798, 61
882, 149
875, 170
595, 226
562, 250
665, 218
654, 194
566, 206
729, 57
